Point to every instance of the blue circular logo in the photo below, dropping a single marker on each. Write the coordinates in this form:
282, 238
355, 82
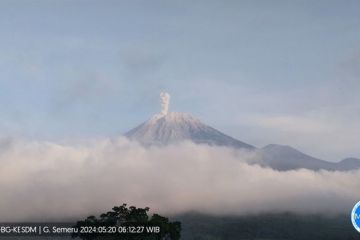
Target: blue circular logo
355, 216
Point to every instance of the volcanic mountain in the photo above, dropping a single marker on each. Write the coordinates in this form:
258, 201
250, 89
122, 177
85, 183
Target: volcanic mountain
285, 158
172, 127
163, 129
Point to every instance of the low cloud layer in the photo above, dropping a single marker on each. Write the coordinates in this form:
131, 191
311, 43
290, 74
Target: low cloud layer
42, 180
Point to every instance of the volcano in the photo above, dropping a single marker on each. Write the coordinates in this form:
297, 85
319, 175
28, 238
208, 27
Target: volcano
163, 129
172, 127
166, 128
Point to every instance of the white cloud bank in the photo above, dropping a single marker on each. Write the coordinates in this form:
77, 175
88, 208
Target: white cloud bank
41, 180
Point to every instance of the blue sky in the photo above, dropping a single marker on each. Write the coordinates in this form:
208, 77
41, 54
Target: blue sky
263, 71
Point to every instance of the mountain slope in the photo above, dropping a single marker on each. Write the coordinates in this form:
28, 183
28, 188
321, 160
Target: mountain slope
172, 127
163, 129
284, 158
348, 164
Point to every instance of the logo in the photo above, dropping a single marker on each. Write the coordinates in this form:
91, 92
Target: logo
355, 216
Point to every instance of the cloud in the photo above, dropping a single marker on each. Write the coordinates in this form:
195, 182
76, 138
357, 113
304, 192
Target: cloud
43, 180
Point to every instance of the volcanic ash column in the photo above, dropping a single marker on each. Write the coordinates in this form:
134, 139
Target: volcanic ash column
164, 101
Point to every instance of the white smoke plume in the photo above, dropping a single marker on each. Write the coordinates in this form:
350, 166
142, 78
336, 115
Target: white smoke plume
43, 180
165, 102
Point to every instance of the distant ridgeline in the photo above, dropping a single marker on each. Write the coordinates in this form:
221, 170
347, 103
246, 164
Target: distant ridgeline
267, 226
172, 127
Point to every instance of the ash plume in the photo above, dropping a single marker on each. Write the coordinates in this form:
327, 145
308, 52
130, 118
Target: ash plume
165, 102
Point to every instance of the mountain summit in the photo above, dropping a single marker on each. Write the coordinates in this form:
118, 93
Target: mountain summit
172, 127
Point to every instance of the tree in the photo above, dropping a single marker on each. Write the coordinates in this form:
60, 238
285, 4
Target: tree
129, 223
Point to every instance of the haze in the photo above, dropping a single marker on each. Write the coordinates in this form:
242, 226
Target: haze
265, 72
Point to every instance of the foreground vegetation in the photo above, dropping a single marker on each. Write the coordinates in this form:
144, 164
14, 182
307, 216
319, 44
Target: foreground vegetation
197, 226
130, 223
266, 227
